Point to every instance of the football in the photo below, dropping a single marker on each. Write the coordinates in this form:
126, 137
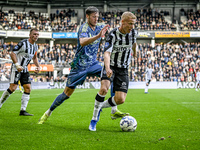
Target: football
128, 123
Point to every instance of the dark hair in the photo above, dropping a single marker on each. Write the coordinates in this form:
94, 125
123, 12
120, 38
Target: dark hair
34, 29
91, 9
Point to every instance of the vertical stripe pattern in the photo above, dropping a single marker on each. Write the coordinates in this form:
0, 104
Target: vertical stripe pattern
25, 51
120, 46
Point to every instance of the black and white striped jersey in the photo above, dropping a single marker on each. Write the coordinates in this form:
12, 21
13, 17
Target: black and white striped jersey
120, 46
24, 51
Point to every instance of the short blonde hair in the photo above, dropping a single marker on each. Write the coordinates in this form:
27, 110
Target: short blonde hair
128, 15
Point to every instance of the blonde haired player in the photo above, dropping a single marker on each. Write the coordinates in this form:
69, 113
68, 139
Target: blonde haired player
119, 44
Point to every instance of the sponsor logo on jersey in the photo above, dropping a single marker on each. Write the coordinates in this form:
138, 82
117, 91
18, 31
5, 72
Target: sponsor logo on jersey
120, 49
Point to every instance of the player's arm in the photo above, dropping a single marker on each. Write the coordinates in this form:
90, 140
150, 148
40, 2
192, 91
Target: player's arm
14, 59
107, 64
134, 48
107, 52
18, 48
87, 40
35, 61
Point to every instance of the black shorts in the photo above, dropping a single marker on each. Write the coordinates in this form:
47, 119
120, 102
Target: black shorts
119, 78
23, 77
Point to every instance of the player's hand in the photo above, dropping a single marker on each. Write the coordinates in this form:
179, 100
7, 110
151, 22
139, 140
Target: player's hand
109, 73
135, 55
37, 70
19, 67
103, 31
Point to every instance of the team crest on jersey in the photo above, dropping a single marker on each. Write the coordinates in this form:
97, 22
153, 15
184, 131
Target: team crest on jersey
16, 47
68, 81
106, 44
123, 83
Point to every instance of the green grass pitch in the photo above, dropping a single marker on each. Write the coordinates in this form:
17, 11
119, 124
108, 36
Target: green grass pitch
167, 120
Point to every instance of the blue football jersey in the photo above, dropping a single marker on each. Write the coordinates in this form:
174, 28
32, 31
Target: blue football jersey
87, 55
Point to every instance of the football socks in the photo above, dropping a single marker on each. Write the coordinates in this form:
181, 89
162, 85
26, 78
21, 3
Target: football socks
59, 100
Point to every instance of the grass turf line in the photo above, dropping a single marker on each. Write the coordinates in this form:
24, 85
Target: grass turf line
172, 114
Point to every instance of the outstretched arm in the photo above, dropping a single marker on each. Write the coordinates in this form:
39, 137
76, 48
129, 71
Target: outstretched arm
86, 41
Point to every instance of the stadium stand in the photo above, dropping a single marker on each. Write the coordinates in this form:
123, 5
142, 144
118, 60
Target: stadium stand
11, 20
170, 61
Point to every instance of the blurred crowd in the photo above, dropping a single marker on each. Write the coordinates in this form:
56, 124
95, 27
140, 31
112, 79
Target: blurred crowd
170, 62
192, 21
147, 19
59, 21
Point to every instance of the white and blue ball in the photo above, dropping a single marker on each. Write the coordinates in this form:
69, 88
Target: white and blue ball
128, 123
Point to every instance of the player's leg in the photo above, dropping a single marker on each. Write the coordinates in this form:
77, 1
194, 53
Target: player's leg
6, 94
147, 85
112, 93
75, 78
26, 83
20, 87
98, 70
99, 99
118, 99
197, 85
25, 99
14, 77
61, 98
120, 85
57, 102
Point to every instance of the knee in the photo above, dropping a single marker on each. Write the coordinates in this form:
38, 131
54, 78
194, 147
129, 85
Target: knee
13, 88
68, 91
27, 89
103, 91
120, 100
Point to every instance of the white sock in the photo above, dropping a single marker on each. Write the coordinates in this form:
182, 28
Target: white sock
106, 105
48, 112
4, 97
113, 110
146, 89
97, 107
24, 101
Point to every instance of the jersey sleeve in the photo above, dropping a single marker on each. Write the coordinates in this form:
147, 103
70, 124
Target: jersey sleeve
36, 50
109, 43
18, 47
134, 34
83, 31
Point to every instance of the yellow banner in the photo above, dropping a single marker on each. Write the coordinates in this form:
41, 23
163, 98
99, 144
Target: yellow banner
171, 34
